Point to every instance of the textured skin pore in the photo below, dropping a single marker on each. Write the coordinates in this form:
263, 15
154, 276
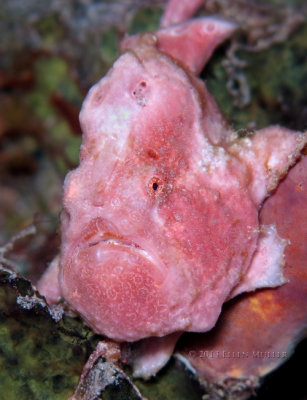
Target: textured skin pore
160, 222
258, 331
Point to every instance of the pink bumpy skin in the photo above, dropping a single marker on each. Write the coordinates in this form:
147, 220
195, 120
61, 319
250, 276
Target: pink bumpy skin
258, 331
160, 221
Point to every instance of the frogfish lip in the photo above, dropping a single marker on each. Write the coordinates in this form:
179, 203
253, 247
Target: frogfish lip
103, 245
115, 285
113, 241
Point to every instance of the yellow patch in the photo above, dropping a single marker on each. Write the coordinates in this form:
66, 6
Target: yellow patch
72, 191
236, 373
266, 307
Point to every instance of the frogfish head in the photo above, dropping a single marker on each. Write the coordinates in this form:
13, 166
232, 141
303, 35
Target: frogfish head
142, 233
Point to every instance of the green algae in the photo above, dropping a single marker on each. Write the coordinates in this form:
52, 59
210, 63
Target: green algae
173, 382
53, 78
39, 358
50, 30
110, 44
43, 359
147, 19
277, 78
120, 391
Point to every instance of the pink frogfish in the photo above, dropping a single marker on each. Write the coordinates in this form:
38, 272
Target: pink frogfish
160, 222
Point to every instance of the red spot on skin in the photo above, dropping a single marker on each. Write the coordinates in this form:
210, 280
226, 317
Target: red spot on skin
153, 154
140, 94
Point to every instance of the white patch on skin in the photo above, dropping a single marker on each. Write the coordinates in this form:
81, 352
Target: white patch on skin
147, 255
186, 362
273, 161
115, 203
153, 354
99, 255
247, 142
116, 119
156, 218
211, 157
112, 128
266, 269
177, 217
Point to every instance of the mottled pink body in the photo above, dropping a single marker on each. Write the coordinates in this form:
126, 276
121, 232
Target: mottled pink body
257, 332
160, 223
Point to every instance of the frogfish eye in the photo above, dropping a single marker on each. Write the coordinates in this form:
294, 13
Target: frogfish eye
155, 185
